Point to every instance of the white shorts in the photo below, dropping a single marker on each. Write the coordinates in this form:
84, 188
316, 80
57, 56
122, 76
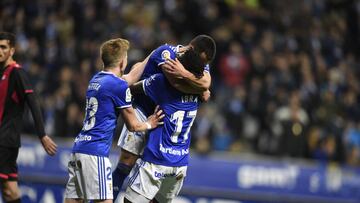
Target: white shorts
90, 177
148, 180
133, 142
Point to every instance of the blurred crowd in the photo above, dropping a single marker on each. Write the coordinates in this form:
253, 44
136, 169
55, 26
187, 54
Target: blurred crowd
285, 78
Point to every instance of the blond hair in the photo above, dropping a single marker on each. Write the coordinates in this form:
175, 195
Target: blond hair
112, 51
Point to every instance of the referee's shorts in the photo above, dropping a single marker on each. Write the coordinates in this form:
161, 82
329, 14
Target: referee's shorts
8, 166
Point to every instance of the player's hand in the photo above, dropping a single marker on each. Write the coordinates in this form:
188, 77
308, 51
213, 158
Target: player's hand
156, 118
49, 145
205, 96
175, 68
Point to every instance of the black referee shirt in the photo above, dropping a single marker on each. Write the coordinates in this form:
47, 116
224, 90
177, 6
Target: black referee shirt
17, 93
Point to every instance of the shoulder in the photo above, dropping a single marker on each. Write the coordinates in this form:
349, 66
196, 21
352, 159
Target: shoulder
118, 83
16, 68
165, 51
113, 83
119, 80
155, 78
166, 47
17, 71
155, 81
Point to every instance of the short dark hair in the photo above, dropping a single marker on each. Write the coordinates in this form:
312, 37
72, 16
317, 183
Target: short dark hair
192, 62
205, 44
8, 36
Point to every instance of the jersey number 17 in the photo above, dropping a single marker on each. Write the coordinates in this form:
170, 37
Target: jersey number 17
178, 117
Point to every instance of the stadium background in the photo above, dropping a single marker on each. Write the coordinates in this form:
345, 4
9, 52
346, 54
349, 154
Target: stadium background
283, 123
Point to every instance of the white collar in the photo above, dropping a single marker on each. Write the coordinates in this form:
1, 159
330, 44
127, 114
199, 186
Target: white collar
178, 48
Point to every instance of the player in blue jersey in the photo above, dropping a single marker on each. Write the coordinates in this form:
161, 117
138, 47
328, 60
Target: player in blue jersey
200, 50
107, 96
160, 171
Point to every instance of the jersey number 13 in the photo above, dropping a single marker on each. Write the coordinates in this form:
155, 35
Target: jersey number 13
90, 111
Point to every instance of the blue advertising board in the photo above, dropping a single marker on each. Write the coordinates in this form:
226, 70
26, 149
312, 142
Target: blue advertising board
209, 179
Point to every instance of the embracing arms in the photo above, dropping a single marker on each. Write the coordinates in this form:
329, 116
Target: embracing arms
184, 80
136, 71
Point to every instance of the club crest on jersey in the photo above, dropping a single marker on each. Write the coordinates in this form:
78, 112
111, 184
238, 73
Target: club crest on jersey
165, 54
3, 77
128, 95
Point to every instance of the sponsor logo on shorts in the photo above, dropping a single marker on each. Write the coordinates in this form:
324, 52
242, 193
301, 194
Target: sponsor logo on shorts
137, 185
163, 175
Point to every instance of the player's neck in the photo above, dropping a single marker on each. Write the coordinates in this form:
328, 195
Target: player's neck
115, 71
6, 63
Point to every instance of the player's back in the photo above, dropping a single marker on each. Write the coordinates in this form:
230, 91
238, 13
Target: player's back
102, 103
157, 58
169, 144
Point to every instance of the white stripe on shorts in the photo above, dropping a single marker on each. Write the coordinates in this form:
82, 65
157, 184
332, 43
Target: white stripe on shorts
102, 182
104, 178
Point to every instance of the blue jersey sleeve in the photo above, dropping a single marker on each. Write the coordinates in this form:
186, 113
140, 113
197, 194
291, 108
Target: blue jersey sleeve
163, 53
121, 95
154, 88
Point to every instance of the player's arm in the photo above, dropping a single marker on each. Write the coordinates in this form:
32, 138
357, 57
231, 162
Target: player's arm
138, 88
34, 105
136, 71
133, 124
184, 80
122, 97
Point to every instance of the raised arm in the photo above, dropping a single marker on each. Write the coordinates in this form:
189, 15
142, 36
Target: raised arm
136, 71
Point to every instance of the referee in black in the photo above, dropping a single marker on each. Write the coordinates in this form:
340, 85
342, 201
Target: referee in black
15, 91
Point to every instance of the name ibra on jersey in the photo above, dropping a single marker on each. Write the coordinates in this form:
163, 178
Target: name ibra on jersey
94, 86
189, 98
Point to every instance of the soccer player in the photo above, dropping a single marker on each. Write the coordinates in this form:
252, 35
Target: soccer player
200, 50
160, 172
107, 96
15, 91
